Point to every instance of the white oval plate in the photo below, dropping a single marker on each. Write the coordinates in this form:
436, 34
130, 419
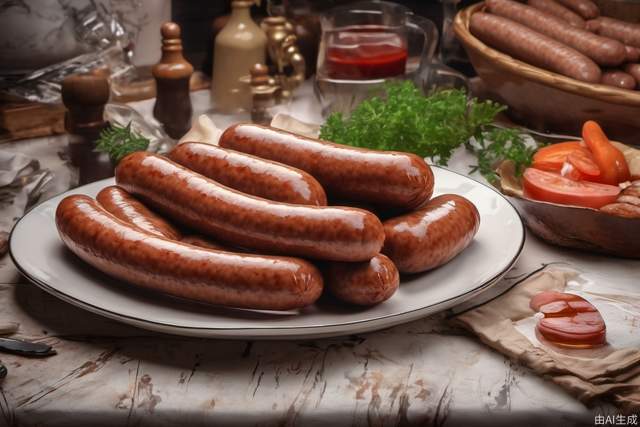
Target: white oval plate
40, 255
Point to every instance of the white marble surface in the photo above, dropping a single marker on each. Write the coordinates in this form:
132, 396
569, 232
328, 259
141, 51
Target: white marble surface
422, 373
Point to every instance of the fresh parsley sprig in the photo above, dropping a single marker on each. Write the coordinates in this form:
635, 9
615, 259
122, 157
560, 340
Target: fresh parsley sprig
500, 144
118, 141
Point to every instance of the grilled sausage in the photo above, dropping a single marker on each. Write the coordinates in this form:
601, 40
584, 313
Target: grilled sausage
626, 32
585, 8
432, 235
632, 54
602, 50
328, 233
363, 283
633, 70
143, 259
386, 178
249, 174
532, 47
124, 206
556, 9
619, 79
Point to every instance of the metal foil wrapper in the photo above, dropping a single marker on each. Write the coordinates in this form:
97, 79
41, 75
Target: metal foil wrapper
107, 45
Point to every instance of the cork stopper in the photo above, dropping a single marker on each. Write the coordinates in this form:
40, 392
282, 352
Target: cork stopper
84, 96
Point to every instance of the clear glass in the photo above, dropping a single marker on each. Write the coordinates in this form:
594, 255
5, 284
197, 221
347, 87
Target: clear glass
365, 44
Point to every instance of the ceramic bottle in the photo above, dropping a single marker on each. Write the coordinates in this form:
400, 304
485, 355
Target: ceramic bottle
238, 47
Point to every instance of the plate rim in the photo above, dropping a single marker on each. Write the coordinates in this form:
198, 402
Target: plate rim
319, 329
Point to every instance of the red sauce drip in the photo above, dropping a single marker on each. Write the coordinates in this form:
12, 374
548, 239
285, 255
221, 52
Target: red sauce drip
569, 320
363, 53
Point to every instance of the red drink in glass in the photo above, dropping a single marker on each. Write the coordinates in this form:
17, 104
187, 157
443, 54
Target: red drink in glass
365, 53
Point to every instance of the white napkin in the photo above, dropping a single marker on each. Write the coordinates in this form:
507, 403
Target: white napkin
21, 184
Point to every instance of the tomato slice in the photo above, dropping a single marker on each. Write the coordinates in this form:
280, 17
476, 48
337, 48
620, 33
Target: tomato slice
583, 161
551, 157
571, 159
613, 166
569, 320
551, 187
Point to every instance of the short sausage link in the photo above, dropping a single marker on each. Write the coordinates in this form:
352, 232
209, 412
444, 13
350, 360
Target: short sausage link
633, 70
432, 235
363, 283
619, 79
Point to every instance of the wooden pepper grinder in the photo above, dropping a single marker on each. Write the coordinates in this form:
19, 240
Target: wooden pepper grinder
173, 72
84, 96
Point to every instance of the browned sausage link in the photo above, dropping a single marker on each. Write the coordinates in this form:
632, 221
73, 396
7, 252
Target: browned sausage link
619, 79
167, 266
384, 178
604, 51
634, 70
250, 174
624, 210
432, 235
585, 8
532, 47
123, 205
626, 32
632, 54
556, 9
331, 233
363, 283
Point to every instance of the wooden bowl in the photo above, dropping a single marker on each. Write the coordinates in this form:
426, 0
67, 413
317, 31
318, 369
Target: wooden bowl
581, 228
547, 101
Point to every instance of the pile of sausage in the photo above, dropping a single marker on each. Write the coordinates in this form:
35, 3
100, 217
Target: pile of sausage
260, 232
568, 37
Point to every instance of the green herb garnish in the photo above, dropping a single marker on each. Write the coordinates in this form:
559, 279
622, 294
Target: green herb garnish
118, 141
500, 144
431, 126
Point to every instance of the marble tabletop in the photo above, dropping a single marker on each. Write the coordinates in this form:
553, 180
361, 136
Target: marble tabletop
427, 372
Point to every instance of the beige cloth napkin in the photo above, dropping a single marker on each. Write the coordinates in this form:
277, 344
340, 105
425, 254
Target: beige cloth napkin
588, 375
